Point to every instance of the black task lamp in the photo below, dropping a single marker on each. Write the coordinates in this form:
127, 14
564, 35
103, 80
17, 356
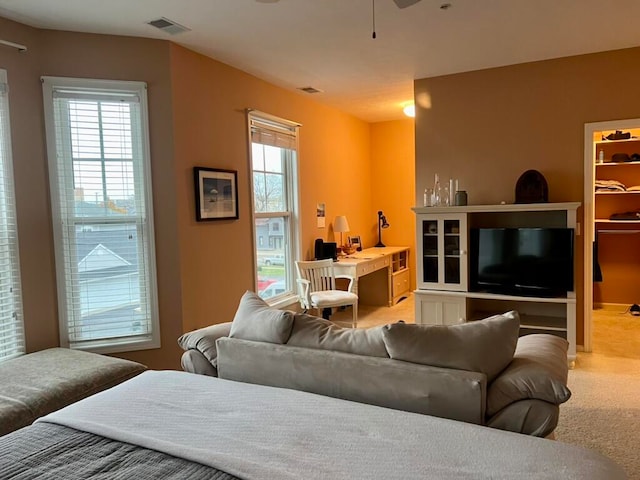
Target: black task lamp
382, 223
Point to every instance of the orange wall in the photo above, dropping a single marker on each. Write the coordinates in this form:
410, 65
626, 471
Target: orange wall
487, 127
93, 56
210, 130
393, 182
196, 110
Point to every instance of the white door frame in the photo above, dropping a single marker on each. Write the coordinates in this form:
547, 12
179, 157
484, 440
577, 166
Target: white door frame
588, 230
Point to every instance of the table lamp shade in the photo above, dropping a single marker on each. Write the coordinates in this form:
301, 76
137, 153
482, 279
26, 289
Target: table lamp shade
340, 224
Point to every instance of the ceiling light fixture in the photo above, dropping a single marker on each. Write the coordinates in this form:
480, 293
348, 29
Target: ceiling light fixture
410, 110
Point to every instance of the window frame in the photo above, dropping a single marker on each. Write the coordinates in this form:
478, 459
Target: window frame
291, 213
16, 345
142, 221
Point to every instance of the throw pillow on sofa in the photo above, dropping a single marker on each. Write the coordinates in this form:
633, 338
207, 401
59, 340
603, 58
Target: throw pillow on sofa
314, 332
485, 346
257, 321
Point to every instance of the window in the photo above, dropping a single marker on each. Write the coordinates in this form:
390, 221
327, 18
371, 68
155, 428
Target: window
274, 145
100, 181
11, 327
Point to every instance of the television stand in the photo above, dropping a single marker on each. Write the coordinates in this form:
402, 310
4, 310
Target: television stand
442, 296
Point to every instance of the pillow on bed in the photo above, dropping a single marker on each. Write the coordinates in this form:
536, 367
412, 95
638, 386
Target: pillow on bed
257, 321
314, 332
485, 346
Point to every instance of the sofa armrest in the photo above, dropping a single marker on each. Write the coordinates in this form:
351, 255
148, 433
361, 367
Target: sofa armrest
538, 370
204, 340
193, 361
531, 417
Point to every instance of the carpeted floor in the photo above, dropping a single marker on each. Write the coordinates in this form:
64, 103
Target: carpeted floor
603, 413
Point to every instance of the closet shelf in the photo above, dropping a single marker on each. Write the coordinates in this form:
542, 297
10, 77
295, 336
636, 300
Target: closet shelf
621, 222
632, 192
604, 141
612, 164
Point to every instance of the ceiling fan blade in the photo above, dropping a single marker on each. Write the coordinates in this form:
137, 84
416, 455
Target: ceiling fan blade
405, 3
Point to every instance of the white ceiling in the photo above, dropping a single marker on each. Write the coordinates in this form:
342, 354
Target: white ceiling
328, 44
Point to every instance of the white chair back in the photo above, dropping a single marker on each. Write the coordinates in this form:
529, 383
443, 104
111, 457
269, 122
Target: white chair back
319, 274
317, 289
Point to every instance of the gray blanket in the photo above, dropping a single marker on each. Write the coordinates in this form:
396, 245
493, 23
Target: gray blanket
258, 432
52, 452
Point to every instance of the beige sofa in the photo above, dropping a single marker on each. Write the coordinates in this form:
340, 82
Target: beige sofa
479, 372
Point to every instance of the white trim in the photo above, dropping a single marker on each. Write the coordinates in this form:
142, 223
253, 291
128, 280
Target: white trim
292, 216
271, 118
589, 216
136, 91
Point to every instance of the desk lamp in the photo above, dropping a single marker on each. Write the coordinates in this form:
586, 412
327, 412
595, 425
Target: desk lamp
382, 223
341, 225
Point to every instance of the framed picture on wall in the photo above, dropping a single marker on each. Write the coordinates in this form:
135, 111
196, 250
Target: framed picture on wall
355, 241
216, 193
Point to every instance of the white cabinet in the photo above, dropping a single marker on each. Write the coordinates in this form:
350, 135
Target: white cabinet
439, 308
443, 296
442, 251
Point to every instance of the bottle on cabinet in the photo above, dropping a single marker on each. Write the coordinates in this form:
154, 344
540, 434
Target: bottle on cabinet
437, 192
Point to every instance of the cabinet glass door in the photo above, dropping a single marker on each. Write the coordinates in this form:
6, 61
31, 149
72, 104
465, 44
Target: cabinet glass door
452, 251
430, 251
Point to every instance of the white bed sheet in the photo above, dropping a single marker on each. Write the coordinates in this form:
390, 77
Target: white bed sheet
258, 432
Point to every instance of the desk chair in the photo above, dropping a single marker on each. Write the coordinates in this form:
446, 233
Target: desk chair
317, 288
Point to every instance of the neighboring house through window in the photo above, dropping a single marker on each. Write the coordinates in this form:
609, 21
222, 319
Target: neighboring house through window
11, 326
100, 180
274, 155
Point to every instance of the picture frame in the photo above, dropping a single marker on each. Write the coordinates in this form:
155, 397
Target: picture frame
355, 241
216, 192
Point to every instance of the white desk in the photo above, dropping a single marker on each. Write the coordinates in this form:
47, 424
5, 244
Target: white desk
393, 265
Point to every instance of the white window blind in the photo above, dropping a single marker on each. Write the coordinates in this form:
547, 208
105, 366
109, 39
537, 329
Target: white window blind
99, 168
11, 327
274, 145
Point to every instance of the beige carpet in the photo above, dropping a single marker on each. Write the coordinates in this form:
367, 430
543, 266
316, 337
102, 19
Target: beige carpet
603, 413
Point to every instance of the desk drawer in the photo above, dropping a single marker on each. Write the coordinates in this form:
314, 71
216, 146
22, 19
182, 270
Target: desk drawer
401, 283
372, 265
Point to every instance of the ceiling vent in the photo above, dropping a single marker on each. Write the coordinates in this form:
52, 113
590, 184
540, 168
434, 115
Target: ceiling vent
310, 90
169, 26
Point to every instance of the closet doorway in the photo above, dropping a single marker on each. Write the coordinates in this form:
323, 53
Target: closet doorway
612, 233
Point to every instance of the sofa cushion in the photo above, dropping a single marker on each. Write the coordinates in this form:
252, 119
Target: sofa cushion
204, 340
257, 321
485, 346
538, 371
314, 332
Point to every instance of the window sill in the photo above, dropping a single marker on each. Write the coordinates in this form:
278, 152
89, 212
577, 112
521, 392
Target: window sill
284, 302
125, 345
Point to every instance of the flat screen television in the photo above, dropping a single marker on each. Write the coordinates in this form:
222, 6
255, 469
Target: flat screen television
522, 261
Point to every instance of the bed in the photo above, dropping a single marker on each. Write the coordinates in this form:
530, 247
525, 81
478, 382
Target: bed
166, 424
